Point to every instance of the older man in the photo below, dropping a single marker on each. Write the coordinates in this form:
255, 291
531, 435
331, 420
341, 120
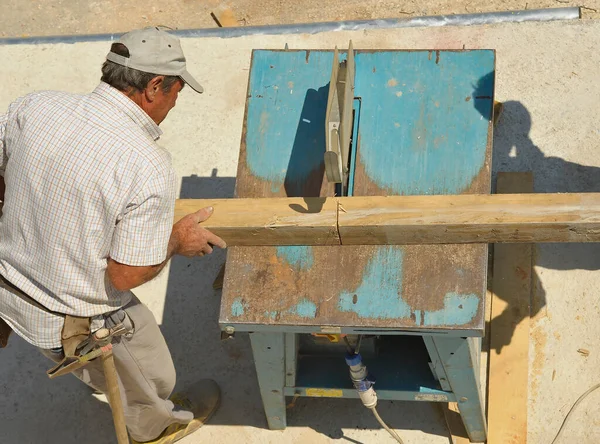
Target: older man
88, 215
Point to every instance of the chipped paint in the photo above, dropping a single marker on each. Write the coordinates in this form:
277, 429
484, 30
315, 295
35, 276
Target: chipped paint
378, 294
237, 307
304, 309
299, 257
287, 287
459, 309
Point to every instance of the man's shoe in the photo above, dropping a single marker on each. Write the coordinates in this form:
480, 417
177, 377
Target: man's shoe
202, 399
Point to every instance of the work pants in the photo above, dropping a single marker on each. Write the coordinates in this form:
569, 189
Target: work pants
146, 376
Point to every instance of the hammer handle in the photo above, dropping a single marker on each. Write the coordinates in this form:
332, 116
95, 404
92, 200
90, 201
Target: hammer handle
114, 395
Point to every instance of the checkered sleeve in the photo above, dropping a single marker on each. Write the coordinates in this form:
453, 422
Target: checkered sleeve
3, 156
4, 118
142, 235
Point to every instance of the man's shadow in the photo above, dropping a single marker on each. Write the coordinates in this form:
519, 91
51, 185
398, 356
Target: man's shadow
515, 151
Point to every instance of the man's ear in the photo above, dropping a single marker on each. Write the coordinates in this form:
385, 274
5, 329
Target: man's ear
152, 88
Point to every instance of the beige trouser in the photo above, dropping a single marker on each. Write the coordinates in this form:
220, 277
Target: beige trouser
146, 376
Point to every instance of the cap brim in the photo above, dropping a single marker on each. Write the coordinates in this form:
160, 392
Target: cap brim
189, 80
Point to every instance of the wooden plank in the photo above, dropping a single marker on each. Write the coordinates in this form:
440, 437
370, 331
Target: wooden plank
224, 17
473, 218
403, 220
509, 330
275, 221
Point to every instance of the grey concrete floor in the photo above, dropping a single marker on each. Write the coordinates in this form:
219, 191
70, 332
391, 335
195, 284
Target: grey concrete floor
547, 75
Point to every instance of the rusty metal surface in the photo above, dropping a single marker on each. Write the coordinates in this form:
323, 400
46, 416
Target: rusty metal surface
438, 287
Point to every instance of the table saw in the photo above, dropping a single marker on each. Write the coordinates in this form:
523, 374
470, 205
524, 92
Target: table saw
361, 123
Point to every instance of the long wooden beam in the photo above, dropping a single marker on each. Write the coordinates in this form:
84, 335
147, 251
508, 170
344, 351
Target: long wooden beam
397, 220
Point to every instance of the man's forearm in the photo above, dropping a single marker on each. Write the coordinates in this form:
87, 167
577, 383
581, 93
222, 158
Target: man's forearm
187, 239
156, 269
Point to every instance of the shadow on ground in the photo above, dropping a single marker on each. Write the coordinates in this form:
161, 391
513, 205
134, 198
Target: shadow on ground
35, 409
515, 151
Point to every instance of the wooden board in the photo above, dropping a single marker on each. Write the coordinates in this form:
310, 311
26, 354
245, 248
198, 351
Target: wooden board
509, 330
404, 220
224, 16
470, 219
274, 221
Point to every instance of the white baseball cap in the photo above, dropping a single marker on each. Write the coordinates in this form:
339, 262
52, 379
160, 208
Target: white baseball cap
155, 51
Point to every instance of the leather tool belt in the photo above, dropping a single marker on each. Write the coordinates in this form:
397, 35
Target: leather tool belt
75, 329
75, 333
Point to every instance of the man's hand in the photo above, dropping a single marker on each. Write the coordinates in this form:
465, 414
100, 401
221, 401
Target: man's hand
188, 238
193, 240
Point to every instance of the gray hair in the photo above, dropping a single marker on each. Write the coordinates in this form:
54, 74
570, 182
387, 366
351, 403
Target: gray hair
125, 79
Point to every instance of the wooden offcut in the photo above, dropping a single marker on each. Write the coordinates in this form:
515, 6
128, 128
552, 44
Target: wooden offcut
403, 220
509, 331
224, 17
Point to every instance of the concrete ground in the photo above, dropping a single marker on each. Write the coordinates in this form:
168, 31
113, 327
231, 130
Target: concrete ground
52, 17
547, 75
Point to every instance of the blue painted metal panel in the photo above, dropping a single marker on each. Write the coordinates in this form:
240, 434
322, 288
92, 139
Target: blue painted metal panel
300, 257
432, 118
285, 139
378, 295
459, 357
269, 357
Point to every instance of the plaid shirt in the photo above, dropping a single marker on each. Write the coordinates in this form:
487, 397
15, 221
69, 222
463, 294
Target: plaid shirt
85, 181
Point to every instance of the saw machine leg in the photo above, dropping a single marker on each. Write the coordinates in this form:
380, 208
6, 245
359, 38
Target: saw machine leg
460, 360
269, 358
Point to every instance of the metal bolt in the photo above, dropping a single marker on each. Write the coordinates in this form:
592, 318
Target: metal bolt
229, 330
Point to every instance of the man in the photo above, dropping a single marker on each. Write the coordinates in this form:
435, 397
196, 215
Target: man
88, 215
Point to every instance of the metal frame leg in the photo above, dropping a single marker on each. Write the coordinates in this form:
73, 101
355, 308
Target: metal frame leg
460, 358
269, 358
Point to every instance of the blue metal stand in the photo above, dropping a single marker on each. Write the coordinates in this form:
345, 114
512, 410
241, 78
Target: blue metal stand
457, 365
269, 356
